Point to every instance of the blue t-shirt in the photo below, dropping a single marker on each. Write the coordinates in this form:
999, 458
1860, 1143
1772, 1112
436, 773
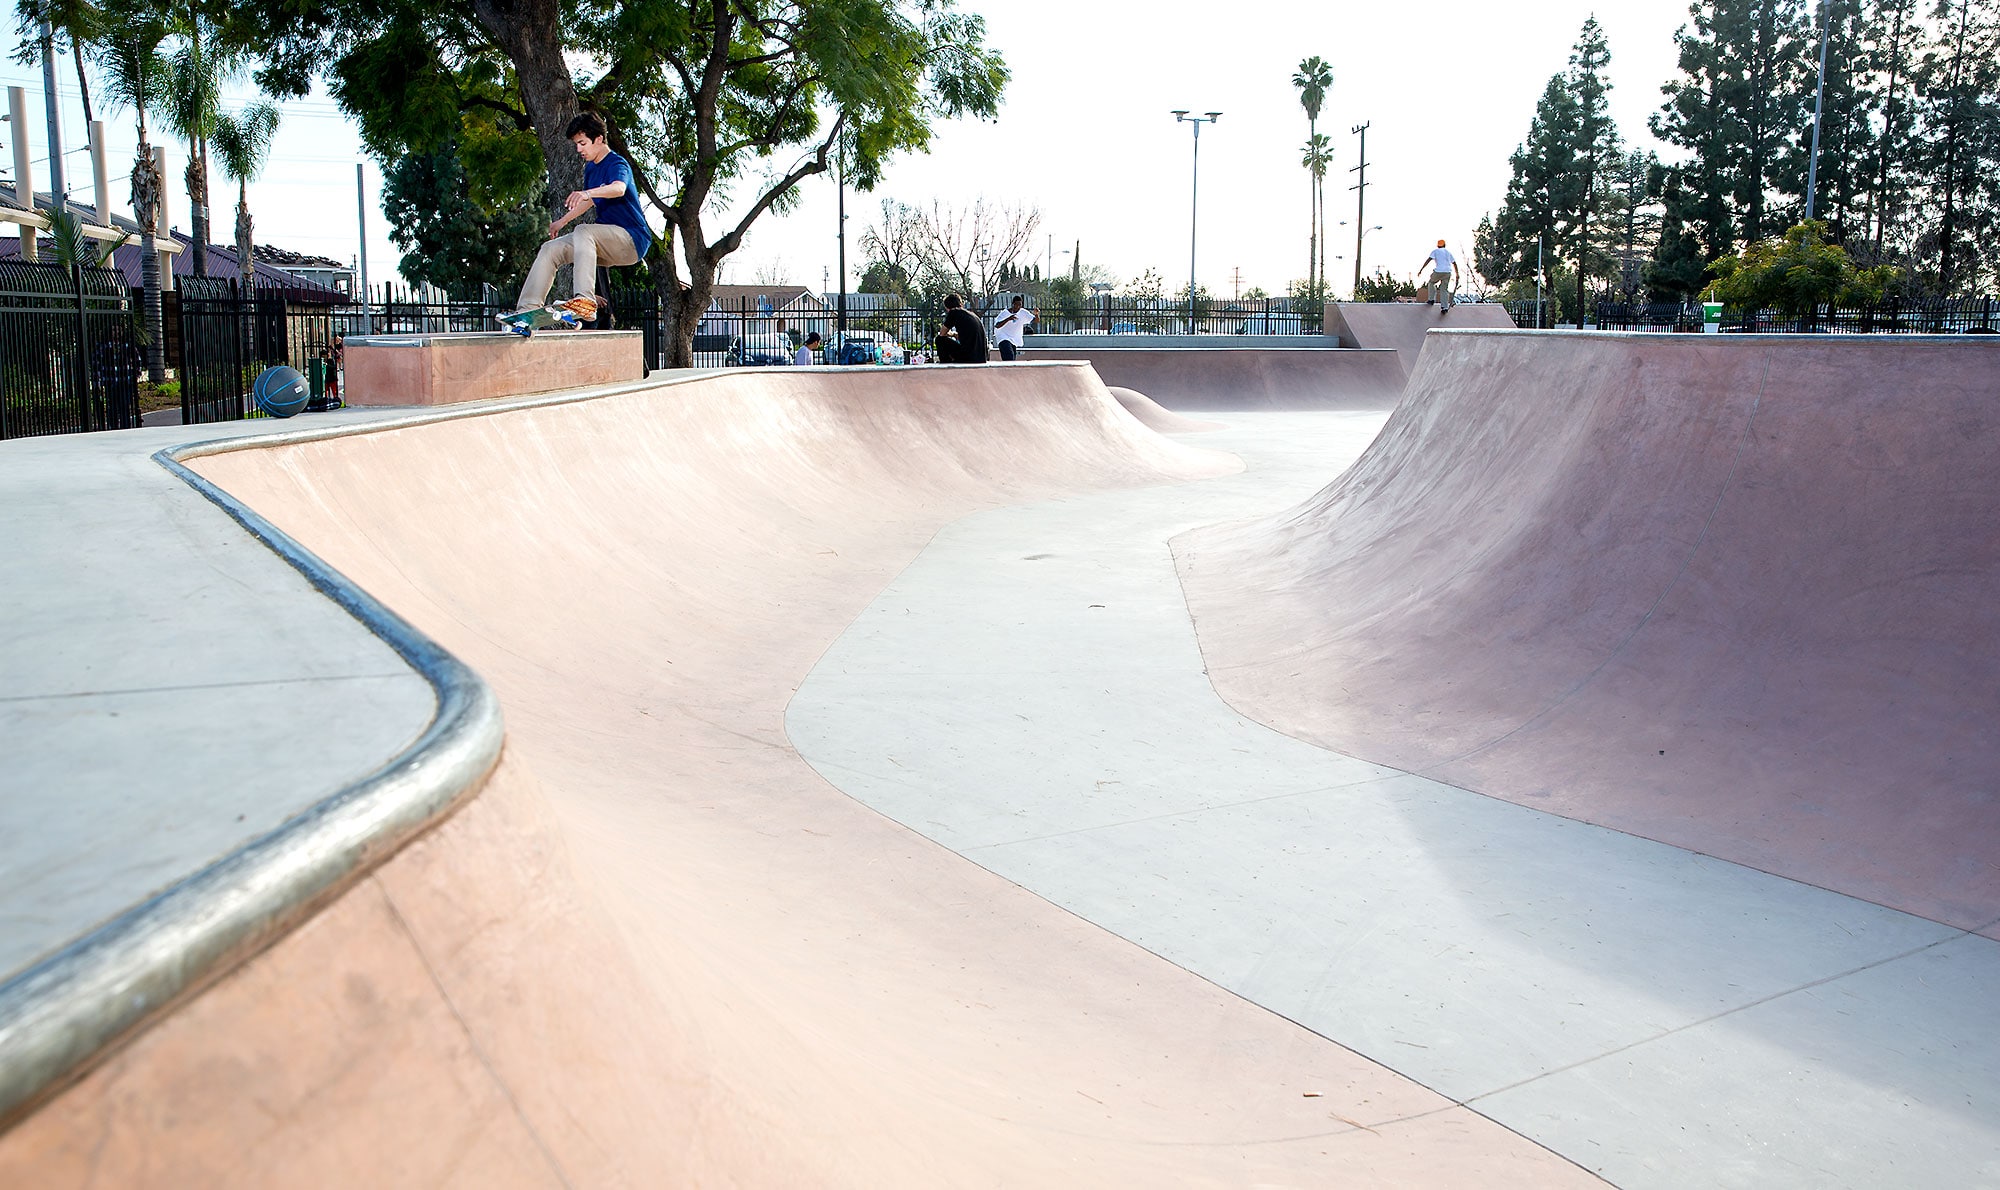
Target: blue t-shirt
622, 211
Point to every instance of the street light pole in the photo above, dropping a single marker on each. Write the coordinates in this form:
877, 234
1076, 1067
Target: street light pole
1194, 197
1819, 109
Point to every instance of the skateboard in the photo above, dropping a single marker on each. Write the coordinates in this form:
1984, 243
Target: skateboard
526, 322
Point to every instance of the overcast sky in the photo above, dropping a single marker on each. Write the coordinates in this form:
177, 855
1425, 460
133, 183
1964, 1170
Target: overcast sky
1086, 135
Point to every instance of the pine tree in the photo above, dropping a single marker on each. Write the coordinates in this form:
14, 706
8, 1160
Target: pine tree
1957, 157
1680, 264
1893, 37
1738, 111
1532, 223
1598, 147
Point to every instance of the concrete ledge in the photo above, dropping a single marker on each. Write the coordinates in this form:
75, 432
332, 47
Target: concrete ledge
449, 369
1223, 378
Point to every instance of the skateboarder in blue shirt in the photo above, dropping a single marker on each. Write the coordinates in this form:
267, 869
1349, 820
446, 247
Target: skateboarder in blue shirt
618, 237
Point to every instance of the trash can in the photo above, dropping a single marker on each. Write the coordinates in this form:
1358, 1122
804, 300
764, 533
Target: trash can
316, 377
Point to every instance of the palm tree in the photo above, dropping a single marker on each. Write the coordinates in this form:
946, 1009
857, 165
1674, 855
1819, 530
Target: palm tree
243, 141
1313, 79
1319, 155
129, 56
193, 93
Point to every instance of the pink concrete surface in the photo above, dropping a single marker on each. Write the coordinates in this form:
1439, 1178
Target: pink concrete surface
659, 950
449, 369
1156, 418
1198, 379
1402, 326
1738, 595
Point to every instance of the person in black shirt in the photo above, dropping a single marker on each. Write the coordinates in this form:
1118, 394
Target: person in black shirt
970, 330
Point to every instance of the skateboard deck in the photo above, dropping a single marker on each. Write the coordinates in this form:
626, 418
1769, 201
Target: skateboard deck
526, 322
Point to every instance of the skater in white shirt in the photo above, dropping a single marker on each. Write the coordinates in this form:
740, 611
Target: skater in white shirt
1010, 328
1444, 277
804, 356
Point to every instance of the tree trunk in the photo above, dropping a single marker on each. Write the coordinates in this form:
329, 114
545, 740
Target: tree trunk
246, 266
145, 205
1878, 201
529, 32
197, 188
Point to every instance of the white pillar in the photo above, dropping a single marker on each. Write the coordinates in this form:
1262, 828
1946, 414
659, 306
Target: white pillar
166, 224
24, 172
100, 176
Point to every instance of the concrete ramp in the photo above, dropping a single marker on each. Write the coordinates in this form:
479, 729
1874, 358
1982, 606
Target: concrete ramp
1738, 595
1401, 326
1151, 414
1190, 378
658, 949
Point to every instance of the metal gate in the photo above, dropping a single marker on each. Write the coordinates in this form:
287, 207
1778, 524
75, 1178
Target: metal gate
69, 357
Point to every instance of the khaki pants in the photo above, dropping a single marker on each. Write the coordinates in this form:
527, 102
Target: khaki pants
586, 247
1441, 289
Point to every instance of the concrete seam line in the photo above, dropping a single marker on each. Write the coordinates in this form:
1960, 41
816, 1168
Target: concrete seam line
61, 1015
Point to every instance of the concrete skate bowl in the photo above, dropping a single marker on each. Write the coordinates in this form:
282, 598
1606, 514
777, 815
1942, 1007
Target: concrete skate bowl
656, 948
1206, 379
1738, 596
1401, 326
1157, 418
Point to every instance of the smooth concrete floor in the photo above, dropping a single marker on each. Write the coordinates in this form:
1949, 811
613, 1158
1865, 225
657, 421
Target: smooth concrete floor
154, 657
1030, 694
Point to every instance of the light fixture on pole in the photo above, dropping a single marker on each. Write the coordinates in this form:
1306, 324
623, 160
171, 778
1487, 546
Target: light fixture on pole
1194, 195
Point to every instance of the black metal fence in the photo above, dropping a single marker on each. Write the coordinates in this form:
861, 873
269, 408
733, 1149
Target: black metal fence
1953, 316
69, 354
228, 337
1937, 316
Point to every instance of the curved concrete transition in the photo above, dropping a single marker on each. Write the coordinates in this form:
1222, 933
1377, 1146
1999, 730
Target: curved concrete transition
1216, 379
1030, 692
657, 949
1740, 596
1154, 417
1401, 326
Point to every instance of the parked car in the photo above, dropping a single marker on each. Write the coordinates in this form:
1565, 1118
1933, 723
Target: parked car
864, 347
760, 351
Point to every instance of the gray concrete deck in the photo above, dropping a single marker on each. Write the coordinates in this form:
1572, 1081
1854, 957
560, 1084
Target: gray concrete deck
1030, 693
154, 659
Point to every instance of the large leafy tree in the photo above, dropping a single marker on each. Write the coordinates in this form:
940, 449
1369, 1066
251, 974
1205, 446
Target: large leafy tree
453, 235
715, 103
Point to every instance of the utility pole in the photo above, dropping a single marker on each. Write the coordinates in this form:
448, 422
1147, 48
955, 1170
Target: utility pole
58, 190
1360, 202
361, 226
1236, 283
1819, 109
840, 295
